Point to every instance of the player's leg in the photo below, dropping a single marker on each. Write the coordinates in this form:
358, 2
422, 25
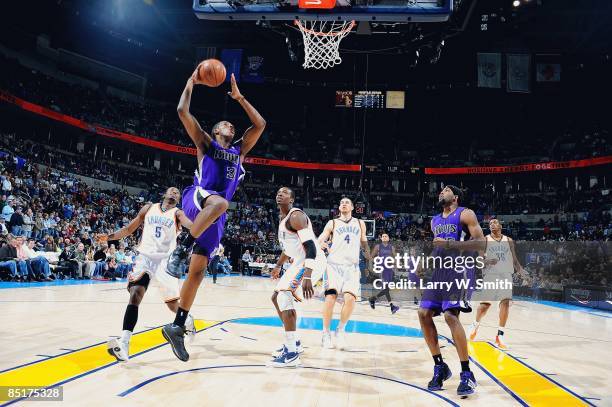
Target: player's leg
289, 356
504, 311
203, 208
468, 382
481, 311
170, 289
331, 287
120, 348
175, 332
442, 372
351, 289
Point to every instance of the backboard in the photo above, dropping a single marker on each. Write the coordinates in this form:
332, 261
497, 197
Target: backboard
344, 10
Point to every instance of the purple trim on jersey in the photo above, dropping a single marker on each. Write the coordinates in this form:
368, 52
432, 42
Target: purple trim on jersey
220, 170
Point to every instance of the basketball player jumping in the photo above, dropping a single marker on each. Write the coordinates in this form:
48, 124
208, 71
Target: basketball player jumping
205, 202
501, 261
342, 274
161, 221
454, 224
384, 250
298, 243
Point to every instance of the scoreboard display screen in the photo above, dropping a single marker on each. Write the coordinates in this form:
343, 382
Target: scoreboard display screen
369, 99
344, 98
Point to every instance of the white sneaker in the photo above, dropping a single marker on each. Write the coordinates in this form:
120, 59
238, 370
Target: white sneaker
341, 340
190, 329
326, 341
286, 359
118, 349
279, 351
473, 331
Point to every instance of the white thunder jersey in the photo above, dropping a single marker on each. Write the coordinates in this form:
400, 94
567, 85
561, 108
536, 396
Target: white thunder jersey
290, 241
346, 242
159, 233
500, 250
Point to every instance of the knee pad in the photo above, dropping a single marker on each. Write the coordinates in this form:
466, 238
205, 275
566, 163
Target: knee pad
285, 301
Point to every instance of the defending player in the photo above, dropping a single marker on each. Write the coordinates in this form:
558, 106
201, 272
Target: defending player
161, 221
384, 250
298, 243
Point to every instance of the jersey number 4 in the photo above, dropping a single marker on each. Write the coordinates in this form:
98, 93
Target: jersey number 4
348, 239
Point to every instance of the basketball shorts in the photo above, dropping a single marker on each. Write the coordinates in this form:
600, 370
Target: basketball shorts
292, 278
208, 241
443, 297
155, 268
343, 278
488, 294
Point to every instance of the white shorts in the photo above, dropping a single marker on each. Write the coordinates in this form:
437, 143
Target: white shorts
169, 286
344, 278
493, 295
292, 278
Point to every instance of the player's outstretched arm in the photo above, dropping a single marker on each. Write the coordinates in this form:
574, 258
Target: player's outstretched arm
200, 138
258, 124
298, 221
128, 229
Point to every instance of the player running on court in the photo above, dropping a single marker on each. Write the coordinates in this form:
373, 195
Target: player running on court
348, 235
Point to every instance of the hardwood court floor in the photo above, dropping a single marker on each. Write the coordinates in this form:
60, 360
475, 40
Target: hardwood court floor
53, 334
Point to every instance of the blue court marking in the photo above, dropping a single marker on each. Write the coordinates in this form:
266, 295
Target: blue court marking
44, 356
361, 327
55, 283
153, 379
246, 337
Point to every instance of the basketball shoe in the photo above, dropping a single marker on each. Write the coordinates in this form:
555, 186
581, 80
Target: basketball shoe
499, 342
441, 373
175, 335
118, 349
282, 349
467, 385
326, 341
190, 328
286, 359
474, 330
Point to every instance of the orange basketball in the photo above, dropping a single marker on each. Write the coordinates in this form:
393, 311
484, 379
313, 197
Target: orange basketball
211, 72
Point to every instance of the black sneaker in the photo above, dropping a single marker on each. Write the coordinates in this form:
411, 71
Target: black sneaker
467, 385
372, 302
176, 260
175, 336
441, 373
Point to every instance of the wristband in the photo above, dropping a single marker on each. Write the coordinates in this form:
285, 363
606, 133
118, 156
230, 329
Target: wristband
306, 278
310, 263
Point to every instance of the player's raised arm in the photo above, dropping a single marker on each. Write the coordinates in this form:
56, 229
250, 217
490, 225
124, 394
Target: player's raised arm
364, 241
258, 124
128, 229
324, 236
298, 221
200, 138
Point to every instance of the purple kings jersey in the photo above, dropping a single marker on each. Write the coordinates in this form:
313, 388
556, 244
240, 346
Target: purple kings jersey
385, 251
220, 170
449, 228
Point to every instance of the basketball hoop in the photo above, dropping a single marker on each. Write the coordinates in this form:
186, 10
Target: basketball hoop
322, 41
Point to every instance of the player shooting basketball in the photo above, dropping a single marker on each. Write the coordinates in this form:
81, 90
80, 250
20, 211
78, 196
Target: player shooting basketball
205, 202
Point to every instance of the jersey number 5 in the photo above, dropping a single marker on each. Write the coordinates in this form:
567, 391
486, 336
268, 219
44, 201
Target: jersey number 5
158, 231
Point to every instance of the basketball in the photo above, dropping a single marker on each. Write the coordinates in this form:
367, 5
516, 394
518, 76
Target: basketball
211, 72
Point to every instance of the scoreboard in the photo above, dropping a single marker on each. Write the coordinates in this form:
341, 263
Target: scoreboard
370, 99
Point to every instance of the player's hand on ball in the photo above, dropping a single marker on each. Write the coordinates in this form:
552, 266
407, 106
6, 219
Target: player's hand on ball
275, 273
307, 289
235, 93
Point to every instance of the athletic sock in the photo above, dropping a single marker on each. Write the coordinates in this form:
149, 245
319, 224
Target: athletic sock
500, 331
125, 336
130, 317
437, 359
465, 366
181, 317
341, 326
290, 341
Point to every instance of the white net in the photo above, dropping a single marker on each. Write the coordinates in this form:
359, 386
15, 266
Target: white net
322, 41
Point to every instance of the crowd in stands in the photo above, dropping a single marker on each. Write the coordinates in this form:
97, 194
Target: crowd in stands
158, 121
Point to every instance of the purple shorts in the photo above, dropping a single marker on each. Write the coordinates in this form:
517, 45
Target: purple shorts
208, 241
387, 275
454, 297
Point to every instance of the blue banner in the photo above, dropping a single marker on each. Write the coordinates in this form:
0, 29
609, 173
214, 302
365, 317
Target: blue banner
253, 70
232, 59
